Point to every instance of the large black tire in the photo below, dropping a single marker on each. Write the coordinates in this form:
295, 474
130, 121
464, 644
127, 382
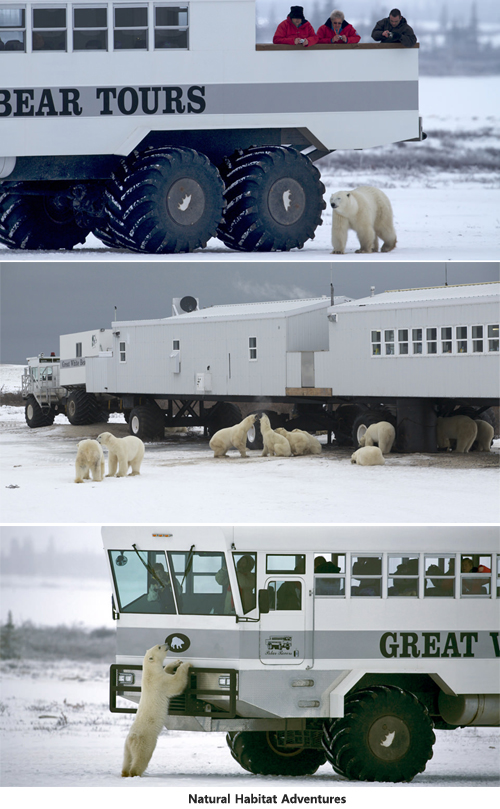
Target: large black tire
163, 200
147, 422
386, 734
222, 414
366, 418
35, 416
83, 408
274, 199
37, 221
261, 754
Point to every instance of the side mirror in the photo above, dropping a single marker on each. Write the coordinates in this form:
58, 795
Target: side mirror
263, 601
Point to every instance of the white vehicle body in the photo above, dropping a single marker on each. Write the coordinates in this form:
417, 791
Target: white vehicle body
294, 643
99, 98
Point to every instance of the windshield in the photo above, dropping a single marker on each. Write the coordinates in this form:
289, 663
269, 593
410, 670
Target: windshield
202, 582
142, 581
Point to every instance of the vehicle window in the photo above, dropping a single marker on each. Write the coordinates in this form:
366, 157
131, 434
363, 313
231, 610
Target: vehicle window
329, 574
13, 28
286, 563
245, 564
131, 28
439, 576
285, 595
402, 575
198, 580
142, 582
366, 576
475, 575
49, 29
90, 28
171, 27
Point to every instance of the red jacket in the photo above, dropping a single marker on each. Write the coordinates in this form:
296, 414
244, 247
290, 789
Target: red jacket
287, 33
326, 33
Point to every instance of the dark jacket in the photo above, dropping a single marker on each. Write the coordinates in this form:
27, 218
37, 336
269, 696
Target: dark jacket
287, 33
325, 33
401, 33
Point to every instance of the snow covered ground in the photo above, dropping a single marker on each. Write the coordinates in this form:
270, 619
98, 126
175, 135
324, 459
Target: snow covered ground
181, 482
445, 212
57, 731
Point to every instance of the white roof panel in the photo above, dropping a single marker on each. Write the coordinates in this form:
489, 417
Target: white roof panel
426, 296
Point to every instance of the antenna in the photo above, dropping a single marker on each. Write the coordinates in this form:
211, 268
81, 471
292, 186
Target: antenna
372, 291
116, 310
445, 274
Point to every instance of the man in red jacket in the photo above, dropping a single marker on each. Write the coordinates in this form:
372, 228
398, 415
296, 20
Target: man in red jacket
337, 31
295, 30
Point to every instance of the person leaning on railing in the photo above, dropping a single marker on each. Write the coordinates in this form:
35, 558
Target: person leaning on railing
337, 31
295, 30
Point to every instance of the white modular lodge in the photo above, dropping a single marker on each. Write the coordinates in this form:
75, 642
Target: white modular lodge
436, 343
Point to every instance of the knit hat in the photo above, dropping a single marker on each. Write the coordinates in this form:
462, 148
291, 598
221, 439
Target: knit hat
296, 13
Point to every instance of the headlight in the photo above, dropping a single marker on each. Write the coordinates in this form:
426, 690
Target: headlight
126, 678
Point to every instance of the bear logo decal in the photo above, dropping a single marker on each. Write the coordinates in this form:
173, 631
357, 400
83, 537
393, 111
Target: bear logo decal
178, 642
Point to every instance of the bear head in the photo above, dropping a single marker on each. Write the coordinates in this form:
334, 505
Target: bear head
340, 200
155, 655
104, 437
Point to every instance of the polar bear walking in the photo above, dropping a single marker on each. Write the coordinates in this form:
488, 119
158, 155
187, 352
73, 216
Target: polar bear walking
123, 452
274, 443
462, 429
368, 211
89, 458
301, 442
235, 436
381, 434
485, 435
158, 686
368, 456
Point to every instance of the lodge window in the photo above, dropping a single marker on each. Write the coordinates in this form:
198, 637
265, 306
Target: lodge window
49, 29
252, 348
376, 343
176, 345
493, 341
78, 350
416, 336
403, 341
446, 340
431, 337
171, 27
461, 332
130, 28
123, 352
90, 28
389, 341
13, 28
477, 339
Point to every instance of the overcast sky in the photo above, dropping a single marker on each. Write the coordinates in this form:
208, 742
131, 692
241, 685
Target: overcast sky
42, 300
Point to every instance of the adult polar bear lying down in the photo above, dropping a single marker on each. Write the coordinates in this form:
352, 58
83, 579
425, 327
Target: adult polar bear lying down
301, 442
368, 211
123, 452
158, 686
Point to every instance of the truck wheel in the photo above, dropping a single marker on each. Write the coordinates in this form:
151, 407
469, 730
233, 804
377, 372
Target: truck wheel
83, 408
38, 222
386, 734
261, 754
147, 422
164, 201
274, 199
254, 437
223, 414
35, 416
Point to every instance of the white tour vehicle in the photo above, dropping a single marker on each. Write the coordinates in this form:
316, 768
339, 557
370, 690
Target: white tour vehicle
312, 643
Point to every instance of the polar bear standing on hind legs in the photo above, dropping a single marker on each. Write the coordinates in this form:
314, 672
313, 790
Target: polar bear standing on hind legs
274, 443
368, 211
235, 436
123, 452
158, 686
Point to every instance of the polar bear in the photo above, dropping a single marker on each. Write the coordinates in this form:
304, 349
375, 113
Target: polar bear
89, 458
235, 436
366, 210
125, 452
462, 429
158, 685
368, 456
274, 443
382, 434
485, 435
301, 442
